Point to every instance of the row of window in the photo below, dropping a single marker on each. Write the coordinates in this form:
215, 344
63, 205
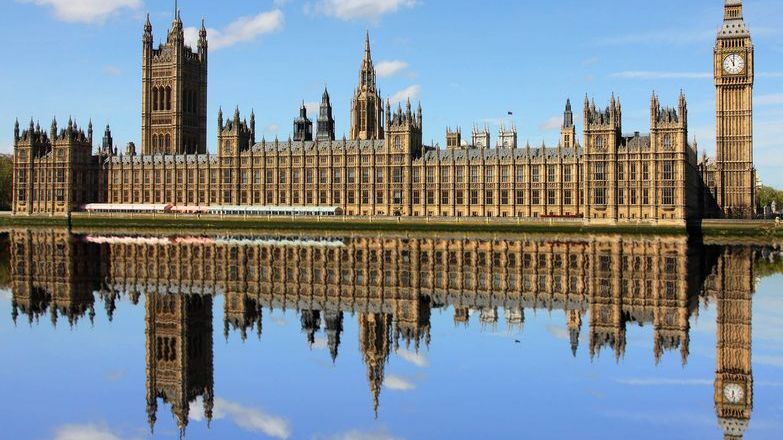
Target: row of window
634, 196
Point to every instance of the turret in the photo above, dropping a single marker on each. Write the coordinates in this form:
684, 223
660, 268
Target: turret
568, 130
220, 119
252, 126
325, 119
147, 38
89, 132
16, 131
108, 143
303, 126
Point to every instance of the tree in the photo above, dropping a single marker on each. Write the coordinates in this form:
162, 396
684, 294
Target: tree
767, 194
6, 171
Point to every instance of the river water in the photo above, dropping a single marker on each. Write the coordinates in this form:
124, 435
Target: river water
380, 336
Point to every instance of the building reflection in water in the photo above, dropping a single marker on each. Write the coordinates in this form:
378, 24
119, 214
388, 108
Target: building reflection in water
392, 282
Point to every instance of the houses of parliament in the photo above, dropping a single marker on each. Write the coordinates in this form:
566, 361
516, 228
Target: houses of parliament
384, 168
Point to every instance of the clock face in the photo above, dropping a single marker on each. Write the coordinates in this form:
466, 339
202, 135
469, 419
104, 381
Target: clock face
734, 64
733, 393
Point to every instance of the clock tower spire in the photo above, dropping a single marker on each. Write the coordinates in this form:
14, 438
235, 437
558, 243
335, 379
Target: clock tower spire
733, 65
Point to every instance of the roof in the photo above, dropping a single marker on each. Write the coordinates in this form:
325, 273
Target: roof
501, 153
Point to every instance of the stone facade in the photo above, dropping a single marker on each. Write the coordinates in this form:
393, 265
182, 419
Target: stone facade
385, 169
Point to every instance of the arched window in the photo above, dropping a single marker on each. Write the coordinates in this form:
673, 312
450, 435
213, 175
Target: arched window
154, 143
168, 143
168, 98
227, 147
154, 98
397, 141
599, 142
667, 142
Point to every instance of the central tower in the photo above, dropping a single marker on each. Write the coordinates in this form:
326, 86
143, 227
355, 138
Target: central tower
174, 93
733, 65
366, 106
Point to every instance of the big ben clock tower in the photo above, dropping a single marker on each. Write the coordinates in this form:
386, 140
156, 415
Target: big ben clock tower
733, 67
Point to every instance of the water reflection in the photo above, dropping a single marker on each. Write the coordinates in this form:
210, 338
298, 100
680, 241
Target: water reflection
391, 283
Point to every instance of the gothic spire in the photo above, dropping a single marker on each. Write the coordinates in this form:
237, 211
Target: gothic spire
568, 115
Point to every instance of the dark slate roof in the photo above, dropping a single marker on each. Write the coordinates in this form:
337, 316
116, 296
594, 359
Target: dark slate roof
635, 142
310, 146
474, 154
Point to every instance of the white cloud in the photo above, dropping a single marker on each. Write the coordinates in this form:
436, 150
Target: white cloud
246, 417
669, 36
85, 11
663, 382
773, 361
84, 432
416, 359
398, 383
558, 332
390, 68
358, 9
312, 109
112, 70
553, 123
773, 99
363, 435
272, 130
321, 343
241, 30
412, 93
642, 74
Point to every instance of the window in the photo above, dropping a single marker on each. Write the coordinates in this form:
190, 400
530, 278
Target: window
416, 175
489, 197
599, 196
645, 171
338, 176
397, 142
416, 197
504, 197
567, 197
551, 173
520, 174
323, 177
536, 174
668, 196
283, 177
667, 142
632, 171
351, 176
599, 172
430, 175
397, 176
621, 171
504, 174
460, 175
474, 173
444, 197
444, 175
599, 142
551, 197
430, 197
489, 175
379, 197
474, 198
536, 197
567, 173
645, 196
270, 177
620, 196
668, 170
460, 198
520, 197
309, 176
379, 176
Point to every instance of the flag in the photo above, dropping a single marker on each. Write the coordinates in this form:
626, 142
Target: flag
511, 113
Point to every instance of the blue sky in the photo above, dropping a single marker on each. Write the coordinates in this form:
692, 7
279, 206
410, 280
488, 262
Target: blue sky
468, 62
